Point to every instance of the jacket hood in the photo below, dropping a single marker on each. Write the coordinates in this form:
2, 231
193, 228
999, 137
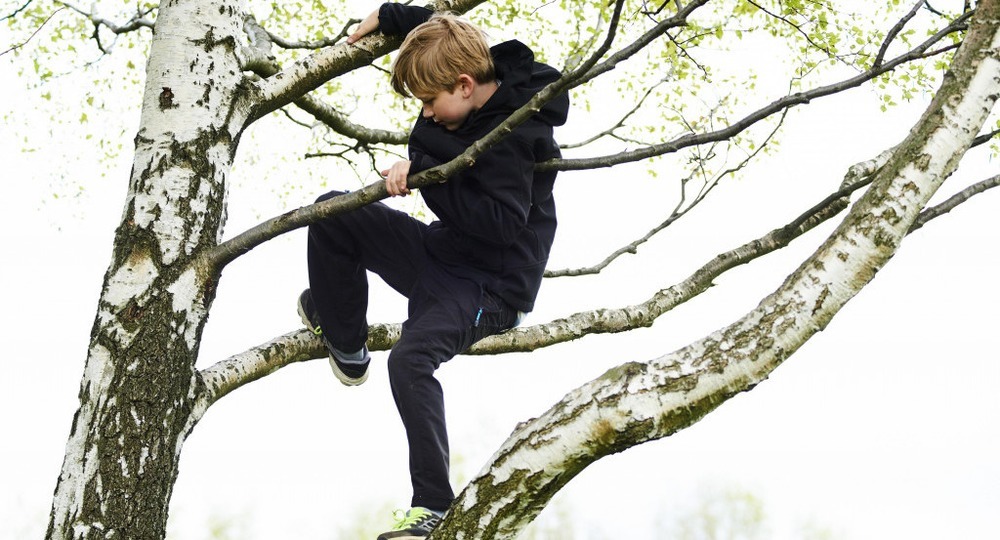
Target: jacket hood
520, 79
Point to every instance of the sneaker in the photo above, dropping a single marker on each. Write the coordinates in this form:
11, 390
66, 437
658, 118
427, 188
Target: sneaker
414, 524
307, 310
349, 373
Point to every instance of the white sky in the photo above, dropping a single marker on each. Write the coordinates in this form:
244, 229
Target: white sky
882, 426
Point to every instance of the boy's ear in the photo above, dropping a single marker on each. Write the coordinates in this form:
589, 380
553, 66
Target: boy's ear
466, 84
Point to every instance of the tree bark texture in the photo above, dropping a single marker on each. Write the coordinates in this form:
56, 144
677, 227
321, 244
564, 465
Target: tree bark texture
139, 386
641, 401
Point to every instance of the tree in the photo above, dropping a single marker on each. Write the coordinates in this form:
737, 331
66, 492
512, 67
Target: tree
209, 76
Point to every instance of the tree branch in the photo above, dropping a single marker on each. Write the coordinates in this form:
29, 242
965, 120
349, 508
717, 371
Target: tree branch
339, 123
227, 375
797, 28
229, 250
894, 31
135, 23
676, 214
955, 200
309, 73
33, 34
302, 345
16, 11
692, 139
318, 44
257, 58
610, 132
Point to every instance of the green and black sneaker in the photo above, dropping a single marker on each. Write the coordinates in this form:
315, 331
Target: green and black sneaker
307, 310
350, 369
415, 524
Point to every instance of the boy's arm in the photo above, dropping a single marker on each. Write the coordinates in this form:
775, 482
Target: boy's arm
490, 201
392, 19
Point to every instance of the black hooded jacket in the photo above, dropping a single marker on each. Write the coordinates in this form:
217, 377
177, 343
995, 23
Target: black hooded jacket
497, 219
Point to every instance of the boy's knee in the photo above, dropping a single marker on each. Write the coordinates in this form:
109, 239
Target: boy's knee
406, 367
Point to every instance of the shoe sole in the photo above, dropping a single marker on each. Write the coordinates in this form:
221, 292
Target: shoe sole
344, 378
340, 375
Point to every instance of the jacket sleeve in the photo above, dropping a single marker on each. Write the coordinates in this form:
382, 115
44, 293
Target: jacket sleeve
489, 201
399, 19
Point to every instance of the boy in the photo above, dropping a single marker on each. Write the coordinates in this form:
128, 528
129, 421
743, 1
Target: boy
469, 275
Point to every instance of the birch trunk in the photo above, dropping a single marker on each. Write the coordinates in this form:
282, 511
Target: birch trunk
642, 401
139, 387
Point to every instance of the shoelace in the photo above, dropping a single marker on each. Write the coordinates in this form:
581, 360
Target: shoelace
415, 518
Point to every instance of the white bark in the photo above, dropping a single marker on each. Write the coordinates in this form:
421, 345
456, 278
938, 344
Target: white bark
139, 384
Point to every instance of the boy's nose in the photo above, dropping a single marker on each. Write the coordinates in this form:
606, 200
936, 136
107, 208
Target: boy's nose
427, 112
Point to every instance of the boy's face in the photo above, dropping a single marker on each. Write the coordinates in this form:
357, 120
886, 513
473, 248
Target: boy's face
450, 108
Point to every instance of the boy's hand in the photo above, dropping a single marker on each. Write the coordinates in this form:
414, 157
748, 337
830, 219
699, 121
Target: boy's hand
395, 178
367, 26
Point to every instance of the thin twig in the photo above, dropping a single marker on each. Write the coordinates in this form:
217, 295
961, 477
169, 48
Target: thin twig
693, 139
795, 26
894, 31
33, 34
676, 214
318, 44
610, 132
16, 11
953, 201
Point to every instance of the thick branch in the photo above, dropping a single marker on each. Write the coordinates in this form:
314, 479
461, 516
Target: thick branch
231, 249
262, 360
339, 122
259, 60
309, 73
244, 368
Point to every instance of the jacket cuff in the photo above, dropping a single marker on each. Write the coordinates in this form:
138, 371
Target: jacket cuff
399, 19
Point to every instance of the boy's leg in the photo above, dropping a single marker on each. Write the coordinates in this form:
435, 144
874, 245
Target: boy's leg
374, 237
445, 319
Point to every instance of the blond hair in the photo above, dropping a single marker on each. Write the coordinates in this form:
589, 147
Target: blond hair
435, 53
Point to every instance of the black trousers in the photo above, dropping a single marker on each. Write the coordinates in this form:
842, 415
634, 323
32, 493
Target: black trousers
446, 315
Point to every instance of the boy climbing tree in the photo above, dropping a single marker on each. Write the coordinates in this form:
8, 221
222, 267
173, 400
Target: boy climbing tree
472, 273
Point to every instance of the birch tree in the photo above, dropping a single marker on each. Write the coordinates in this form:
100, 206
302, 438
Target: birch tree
212, 71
